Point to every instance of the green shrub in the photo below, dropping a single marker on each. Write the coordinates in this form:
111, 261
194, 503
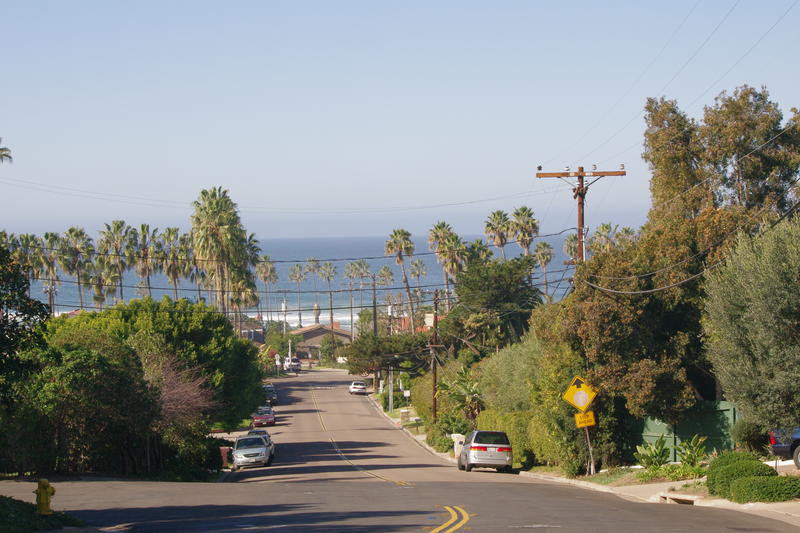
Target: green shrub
748, 435
18, 517
653, 455
765, 489
728, 474
672, 472
691, 452
723, 460
515, 424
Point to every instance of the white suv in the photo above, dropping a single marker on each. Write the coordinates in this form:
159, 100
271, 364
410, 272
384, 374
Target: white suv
358, 387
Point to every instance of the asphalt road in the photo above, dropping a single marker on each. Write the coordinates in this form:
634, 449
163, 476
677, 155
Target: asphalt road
341, 466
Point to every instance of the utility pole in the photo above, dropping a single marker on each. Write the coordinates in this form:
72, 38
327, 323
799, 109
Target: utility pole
579, 192
434, 342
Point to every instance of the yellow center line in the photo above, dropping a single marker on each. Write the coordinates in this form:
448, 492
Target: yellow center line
453, 518
464, 519
344, 457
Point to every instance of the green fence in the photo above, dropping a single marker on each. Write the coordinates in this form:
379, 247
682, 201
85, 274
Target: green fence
710, 419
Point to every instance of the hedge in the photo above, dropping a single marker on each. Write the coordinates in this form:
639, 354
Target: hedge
728, 474
515, 424
765, 489
723, 460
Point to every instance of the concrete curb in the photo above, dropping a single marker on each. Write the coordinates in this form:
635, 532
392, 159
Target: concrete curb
573, 482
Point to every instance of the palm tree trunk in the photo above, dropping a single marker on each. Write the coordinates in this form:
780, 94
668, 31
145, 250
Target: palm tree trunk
80, 286
299, 312
546, 291
352, 324
175, 288
119, 272
330, 306
503, 251
408, 293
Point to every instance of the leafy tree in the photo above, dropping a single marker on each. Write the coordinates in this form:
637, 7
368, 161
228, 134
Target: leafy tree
751, 160
752, 310
5, 154
495, 302
20, 317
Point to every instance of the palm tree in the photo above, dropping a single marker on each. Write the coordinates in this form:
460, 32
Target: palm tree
49, 260
524, 227
603, 238
146, 254
194, 270
478, 251
243, 295
625, 235
454, 256
265, 271
571, 247
312, 267
400, 246
115, 242
544, 254
351, 273
172, 257
436, 236
327, 271
297, 274
102, 279
5, 153
418, 270
76, 254
364, 273
219, 239
27, 253
385, 276
497, 228
464, 393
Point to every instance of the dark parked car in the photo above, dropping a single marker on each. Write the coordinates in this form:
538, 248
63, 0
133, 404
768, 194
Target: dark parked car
786, 444
270, 394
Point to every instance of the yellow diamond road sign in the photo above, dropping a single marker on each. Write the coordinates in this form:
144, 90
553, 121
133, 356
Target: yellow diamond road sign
579, 394
584, 419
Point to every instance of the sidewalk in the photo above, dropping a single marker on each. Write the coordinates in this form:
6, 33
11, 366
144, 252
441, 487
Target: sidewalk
666, 493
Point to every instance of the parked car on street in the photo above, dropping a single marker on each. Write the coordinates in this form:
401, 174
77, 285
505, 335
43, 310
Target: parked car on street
358, 387
488, 449
263, 417
258, 433
270, 394
786, 444
253, 451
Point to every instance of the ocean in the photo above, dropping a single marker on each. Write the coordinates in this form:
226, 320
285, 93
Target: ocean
340, 251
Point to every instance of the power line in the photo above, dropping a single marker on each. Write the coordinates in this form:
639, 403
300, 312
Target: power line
692, 277
668, 83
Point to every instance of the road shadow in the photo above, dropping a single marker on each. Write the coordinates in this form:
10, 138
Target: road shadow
287, 517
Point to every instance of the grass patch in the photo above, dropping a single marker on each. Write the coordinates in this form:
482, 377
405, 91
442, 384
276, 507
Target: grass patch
17, 517
613, 476
221, 426
697, 488
545, 469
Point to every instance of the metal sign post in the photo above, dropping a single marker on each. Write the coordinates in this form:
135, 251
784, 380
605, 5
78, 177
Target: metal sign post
580, 395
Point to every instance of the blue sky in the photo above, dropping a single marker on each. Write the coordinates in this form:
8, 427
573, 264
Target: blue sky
353, 118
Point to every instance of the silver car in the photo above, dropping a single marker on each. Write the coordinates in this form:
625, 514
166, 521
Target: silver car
253, 450
490, 449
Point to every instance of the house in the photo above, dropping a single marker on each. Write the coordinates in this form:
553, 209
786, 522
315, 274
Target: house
313, 335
